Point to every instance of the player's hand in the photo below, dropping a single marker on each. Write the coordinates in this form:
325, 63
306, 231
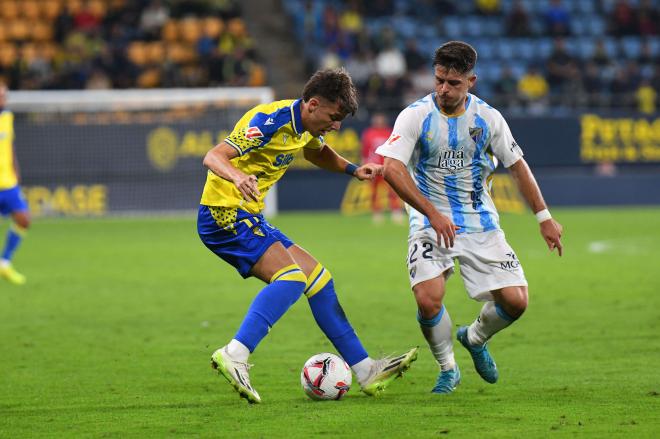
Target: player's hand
445, 229
551, 231
368, 171
247, 186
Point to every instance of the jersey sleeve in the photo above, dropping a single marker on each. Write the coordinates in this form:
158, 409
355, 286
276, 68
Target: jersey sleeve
503, 144
403, 139
251, 131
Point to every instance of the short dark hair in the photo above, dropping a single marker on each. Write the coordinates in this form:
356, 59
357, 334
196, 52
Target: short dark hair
335, 85
457, 56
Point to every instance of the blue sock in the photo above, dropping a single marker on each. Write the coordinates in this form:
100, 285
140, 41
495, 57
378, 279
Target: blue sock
330, 316
286, 286
14, 236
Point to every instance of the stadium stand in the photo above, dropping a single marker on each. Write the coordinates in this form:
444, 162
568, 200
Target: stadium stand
535, 55
582, 53
97, 44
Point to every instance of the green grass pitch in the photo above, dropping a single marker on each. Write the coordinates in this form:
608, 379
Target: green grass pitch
112, 335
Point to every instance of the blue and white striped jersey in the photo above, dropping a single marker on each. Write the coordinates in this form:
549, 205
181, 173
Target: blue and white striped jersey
451, 158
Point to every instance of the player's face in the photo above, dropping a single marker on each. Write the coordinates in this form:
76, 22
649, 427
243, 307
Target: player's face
452, 88
323, 116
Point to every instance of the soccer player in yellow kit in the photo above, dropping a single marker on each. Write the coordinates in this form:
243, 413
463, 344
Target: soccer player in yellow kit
241, 171
11, 200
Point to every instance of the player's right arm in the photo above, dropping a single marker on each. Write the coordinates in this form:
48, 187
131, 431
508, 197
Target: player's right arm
397, 176
218, 161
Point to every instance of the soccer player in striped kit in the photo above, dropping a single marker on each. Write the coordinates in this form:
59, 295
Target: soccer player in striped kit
440, 159
12, 202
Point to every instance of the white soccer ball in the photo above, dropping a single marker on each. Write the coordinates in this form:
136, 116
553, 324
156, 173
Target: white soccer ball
326, 376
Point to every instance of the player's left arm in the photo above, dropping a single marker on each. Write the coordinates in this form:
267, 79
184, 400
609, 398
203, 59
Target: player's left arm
327, 158
17, 169
551, 230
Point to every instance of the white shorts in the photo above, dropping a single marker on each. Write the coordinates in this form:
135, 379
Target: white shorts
487, 262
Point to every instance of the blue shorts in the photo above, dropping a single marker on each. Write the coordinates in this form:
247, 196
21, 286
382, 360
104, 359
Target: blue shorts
243, 246
11, 200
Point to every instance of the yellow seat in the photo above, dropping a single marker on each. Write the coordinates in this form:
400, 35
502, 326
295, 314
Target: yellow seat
9, 9
170, 31
7, 55
213, 27
42, 31
190, 30
150, 78
30, 9
50, 9
19, 30
137, 53
155, 52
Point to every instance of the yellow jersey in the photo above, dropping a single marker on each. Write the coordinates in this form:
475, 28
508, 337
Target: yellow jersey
266, 139
7, 171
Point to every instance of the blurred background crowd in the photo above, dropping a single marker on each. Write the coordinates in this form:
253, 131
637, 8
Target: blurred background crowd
535, 56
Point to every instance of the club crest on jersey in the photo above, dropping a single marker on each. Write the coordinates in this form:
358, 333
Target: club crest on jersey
253, 133
475, 133
451, 159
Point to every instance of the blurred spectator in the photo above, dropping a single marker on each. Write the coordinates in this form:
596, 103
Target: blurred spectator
153, 17
225, 9
506, 87
361, 67
98, 80
557, 19
593, 86
372, 137
350, 20
648, 18
85, 19
600, 56
646, 97
487, 7
390, 62
63, 24
621, 89
560, 65
414, 59
646, 57
623, 19
533, 90
378, 8
517, 22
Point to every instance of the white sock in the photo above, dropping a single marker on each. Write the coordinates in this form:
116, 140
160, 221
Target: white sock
491, 320
238, 351
4, 263
362, 369
437, 332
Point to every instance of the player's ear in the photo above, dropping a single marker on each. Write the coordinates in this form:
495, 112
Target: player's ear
472, 80
313, 104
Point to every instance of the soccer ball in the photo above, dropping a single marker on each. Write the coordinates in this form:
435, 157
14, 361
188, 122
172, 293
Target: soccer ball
326, 376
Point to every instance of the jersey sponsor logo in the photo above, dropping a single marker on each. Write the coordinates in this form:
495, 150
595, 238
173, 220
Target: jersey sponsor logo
512, 264
269, 121
283, 159
451, 159
253, 133
476, 133
393, 139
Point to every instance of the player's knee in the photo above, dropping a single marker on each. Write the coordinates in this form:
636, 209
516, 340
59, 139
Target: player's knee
428, 306
517, 303
291, 273
22, 221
